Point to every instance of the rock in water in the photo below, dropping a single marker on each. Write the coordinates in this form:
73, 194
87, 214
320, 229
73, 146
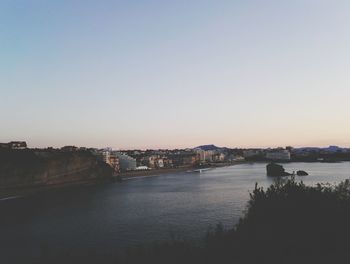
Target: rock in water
302, 173
276, 170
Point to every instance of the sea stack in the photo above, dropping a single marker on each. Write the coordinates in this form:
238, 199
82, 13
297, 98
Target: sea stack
302, 173
276, 170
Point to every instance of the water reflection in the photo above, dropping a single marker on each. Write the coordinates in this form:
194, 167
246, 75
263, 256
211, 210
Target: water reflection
113, 216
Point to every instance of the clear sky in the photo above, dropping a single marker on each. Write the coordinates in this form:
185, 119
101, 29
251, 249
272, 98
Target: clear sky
158, 74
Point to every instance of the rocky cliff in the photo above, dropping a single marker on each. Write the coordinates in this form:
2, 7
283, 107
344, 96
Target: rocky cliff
32, 168
276, 170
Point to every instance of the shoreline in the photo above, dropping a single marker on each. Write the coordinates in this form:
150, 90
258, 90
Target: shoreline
157, 172
23, 191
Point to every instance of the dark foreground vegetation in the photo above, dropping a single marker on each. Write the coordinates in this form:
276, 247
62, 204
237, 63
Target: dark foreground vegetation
287, 223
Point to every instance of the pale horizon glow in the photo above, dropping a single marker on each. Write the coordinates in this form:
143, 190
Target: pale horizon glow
175, 74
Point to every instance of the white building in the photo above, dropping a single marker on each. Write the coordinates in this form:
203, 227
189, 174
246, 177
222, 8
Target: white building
278, 155
17, 145
126, 163
205, 155
106, 155
160, 163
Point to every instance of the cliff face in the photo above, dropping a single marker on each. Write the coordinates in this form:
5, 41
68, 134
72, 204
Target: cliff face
30, 168
276, 170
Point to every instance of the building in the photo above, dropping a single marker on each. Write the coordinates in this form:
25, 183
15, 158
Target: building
184, 159
168, 163
157, 162
248, 153
126, 163
18, 145
219, 157
282, 155
114, 163
160, 163
205, 155
105, 154
14, 145
190, 159
108, 157
153, 161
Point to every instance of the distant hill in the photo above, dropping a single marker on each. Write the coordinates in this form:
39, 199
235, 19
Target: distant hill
208, 147
328, 149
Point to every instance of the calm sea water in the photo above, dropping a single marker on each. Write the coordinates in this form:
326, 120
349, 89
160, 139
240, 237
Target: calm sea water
109, 217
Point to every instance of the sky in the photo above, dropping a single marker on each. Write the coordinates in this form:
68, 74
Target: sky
173, 74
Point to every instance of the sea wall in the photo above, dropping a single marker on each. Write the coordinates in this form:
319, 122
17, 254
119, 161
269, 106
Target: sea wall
32, 168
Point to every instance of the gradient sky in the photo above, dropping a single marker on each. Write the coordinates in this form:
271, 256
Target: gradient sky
158, 74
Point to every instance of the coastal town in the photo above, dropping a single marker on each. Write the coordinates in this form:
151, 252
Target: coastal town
174, 132
139, 162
